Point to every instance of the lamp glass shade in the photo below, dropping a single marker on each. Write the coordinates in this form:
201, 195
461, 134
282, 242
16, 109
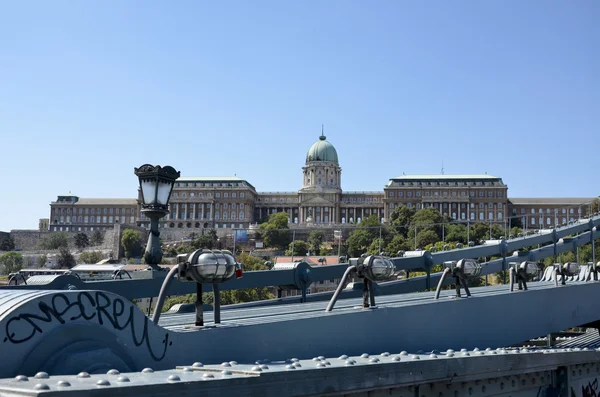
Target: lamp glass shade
164, 191
149, 191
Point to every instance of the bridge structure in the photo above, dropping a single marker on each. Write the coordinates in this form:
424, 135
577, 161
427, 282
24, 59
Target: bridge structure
88, 338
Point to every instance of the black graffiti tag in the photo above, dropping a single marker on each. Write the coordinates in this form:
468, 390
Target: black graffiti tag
96, 306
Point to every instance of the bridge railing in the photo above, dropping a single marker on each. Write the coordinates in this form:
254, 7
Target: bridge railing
551, 242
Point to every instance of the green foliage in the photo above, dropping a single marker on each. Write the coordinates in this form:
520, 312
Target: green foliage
300, 248
65, 259
400, 218
81, 240
359, 242
426, 219
41, 260
11, 262
131, 242
97, 238
426, 237
206, 241
55, 240
456, 233
275, 232
7, 244
315, 240
90, 257
398, 243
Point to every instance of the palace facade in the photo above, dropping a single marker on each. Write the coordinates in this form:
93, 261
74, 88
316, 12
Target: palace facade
232, 202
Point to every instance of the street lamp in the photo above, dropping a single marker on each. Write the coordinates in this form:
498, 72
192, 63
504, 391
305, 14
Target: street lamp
156, 185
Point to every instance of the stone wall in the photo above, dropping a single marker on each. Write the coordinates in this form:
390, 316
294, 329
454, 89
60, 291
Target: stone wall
29, 240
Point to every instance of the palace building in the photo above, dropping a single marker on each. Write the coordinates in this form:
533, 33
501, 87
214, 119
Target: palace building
232, 202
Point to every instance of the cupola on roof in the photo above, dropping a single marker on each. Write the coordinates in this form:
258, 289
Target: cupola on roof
322, 151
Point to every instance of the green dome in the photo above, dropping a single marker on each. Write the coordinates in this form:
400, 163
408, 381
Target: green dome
322, 151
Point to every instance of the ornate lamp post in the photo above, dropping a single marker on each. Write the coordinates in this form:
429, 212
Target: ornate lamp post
156, 185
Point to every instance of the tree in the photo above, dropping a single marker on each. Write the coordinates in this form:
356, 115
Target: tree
398, 243
315, 240
359, 242
456, 233
275, 232
426, 237
7, 244
91, 257
131, 242
55, 240
480, 231
11, 262
426, 219
97, 238
65, 259
81, 240
595, 206
400, 219
41, 260
206, 241
300, 248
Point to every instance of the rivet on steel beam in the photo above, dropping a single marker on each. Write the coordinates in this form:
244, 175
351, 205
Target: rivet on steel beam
233, 363
316, 359
225, 364
63, 383
264, 366
449, 351
396, 358
226, 373
415, 357
197, 364
466, 354
122, 379
41, 375
433, 356
84, 375
187, 369
385, 354
349, 362
147, 371
481, 353
326, 362
290, 367
41, 386
256, 369
463, 350
258, 362
374, 360
321, 358
364, 355
449, 354
404, 353
208, 376
21, 378
320, 365
295, 360
297, 365
103, 382
488, 349
343, 357
476, 349
113, 372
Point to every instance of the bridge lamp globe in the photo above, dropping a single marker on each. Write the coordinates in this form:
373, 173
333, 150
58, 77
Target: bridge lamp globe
528, 269
469, 268
570, 269
377, 268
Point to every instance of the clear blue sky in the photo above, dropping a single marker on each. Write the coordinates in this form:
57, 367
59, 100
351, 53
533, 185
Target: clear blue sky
89, 90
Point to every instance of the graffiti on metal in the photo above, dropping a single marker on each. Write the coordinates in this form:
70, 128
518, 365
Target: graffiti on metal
94, 306
585, 388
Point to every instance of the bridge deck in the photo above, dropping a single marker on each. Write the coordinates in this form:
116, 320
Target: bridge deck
272, 314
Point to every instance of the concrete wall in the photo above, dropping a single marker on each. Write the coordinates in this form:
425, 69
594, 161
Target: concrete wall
29, 240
